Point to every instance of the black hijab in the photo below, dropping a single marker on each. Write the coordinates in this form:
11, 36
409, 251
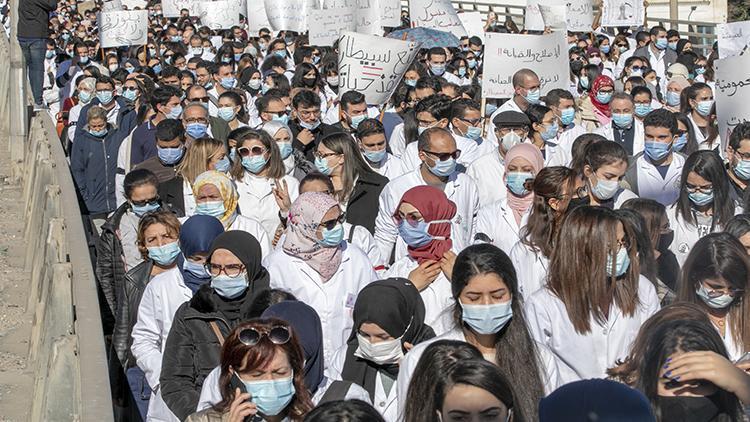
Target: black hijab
394, 305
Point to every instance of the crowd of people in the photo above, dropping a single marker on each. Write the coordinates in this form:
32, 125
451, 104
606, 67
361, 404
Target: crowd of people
268, 246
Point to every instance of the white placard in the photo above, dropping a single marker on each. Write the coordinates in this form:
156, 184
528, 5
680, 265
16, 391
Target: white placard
472, 22
367, 14
326, 25
436, 14
731, 93
287, 15
123, 28
112, 6
219, 14
623, 13
733, 38
373, 65
257, 18
580, 15
547, 55
132, 4
533, 20
171, 8
390, 12
554, 16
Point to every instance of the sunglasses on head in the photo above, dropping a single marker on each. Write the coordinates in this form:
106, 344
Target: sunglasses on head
256, 150
278, 335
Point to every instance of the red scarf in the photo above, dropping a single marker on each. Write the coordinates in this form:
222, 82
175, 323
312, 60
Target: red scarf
434, 205
600, 82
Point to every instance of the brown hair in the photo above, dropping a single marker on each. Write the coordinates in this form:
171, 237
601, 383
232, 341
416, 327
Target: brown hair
354, 165
652, 212
589, 236
237, 356
163, 217
197, 156
275, 164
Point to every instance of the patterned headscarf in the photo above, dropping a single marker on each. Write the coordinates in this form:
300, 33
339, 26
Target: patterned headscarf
226, 188
301, 240
600, 82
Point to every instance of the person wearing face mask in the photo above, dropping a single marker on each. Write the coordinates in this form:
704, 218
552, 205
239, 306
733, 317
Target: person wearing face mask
624, 128
604, 166
526, 91
488, 313
502, 220
432, 111
436, 62
85, 92
738, 157
594, 109
545, 129
424, 223
201, 325
563, 105
232, 110
106, 98
700, 105
657, 51
590, 336
674, 88
224, 80
438, 154
656, 172
308, 77
295, 164
389, 319
307, 128
353, 110
216, 195
170, 150
373, 144
69, 70
466, 123
319, 267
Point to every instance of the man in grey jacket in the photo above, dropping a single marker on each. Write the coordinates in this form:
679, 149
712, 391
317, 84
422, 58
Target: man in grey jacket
657, 53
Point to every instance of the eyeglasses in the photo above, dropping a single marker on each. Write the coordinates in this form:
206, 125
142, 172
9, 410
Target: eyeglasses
130, 88
199, 99
318, 154
306, 114
331, 224
694, 189
473, 122
444, 156
196, 120
152, 201
714, 293
411, 219
278, 335
254, 151
231, 270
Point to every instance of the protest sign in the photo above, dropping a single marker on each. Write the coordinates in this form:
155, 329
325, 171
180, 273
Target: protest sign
390, 12
373, 65
326, 25
436, 14
256, 17
733, 38
219, 14
123, 28
533, 20
472, 22
731, 93
580, 15
133, 4
85, 6
547, 55
171, 8
623, 13
286, 15
111, 6
554, 16
367, 14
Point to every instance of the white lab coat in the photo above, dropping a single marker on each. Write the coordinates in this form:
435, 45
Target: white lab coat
734, 350
488, 172
584, 356
252, 226
333, 300
391, 167
686, 235
161, 298
437, 296
498, 222
257, 199
638, 136
460, 189
548, 365
398, 141
623, 195
701, 139
651, 185
531, 268
562, 154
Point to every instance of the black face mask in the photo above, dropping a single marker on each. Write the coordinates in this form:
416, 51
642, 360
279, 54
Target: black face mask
664, 241
576, 66
688, 409
309, 82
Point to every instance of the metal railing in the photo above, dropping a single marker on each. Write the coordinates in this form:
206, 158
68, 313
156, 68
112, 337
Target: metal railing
66, 347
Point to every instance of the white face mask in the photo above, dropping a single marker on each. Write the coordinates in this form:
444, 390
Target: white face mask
510, 140
387, 352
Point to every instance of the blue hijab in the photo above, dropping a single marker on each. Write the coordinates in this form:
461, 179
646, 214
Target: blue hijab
196, 236
306, 325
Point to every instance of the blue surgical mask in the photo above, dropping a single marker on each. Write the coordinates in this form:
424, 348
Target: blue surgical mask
157, 68
473, 133
140, 210
212, 208
230, 287
487, 319
223, 165
285, 149
704, 107
410, 82
164, 255
196, 130
673, 98
662, 43
226, 113
356, 120
49, 54
333, 237
104, 97
462, 71
228, 82
197, 269
83, 59
129, 95
472, 63
567, 115
170, 156
604, 49
604, 97
437, 69
375, 156
701, 198
418, 236
635, 72
672, 46
443, 168
533, 96
680, 142
280, 53
605, 189
321, 164
719, 302
237, 57
550, 131
175, 112
176, 38
283, 119
310, 126
622, 120
742, 169
265, 88
641, 110
271, 396
515, 182
657, 151
254, 164
700, 70
99, 133
623, 49
622, 264
85, 97
584, 81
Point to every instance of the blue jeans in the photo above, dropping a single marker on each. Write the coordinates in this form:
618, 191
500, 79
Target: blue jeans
140, 389
34, 50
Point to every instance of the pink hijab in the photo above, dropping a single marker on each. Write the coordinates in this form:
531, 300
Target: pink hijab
301, 238
530, 153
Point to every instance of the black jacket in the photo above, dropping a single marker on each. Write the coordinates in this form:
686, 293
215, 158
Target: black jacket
320, 132
172, 195
192, 350
364, 201
128, 299
33, 17
110, 268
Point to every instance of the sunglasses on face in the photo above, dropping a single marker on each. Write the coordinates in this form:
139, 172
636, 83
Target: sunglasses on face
152, 201
256, 150
199, 99
331, 224
444, 156
278, 335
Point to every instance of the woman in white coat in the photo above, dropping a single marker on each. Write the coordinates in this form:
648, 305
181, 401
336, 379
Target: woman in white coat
388, 322
488, 314
604, 166
282, 135
704, 205
715, 277
319, 267
265, 189
215, 195
502, 220
423, 216
699, 108
595, 299
556, 189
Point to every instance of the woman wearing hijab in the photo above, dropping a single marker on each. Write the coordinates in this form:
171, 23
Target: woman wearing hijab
216, 196
503, 220
423, 217
196, 237
295, 164
319, 267
200, 325
388, 322
594, 109
672, 100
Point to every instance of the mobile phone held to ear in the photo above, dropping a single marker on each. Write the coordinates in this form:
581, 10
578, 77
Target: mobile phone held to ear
235, 382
